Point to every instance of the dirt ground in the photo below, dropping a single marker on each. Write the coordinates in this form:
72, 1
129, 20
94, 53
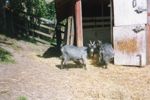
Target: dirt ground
36, 76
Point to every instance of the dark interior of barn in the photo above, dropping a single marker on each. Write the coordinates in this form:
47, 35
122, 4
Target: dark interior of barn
97, 20
95, 8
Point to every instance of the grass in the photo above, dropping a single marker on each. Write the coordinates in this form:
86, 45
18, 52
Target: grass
22, 98
5, 56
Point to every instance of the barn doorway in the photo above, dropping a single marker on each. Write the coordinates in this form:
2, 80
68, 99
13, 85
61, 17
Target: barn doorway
97, 20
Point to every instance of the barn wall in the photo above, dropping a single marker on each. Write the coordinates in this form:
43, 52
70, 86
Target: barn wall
148, 34
129, 32
148, 43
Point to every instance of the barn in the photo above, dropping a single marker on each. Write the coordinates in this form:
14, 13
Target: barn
124, 23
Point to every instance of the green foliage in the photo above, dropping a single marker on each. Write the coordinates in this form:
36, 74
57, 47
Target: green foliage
5, 56
17, 6
22, 98
51, 13
37, 8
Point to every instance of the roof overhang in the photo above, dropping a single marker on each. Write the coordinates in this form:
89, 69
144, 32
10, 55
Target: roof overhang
65, 8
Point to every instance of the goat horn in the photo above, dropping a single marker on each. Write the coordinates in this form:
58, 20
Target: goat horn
99, 41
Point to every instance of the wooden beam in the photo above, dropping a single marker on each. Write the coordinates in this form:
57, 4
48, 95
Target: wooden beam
70, 31
148, 34
61, 3
58, 35
111, 20
64, 9
78, 17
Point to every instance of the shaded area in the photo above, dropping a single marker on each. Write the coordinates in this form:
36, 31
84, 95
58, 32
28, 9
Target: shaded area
52, 52
90, 8
6, 56
25, 21
4, 41
70, 66
100, 64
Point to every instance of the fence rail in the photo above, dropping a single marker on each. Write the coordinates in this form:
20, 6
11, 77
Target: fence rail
34, 26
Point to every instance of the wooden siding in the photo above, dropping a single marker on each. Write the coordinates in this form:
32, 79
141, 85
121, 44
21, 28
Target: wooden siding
127, 15
148, 43
148, 33
129, 32
130, 45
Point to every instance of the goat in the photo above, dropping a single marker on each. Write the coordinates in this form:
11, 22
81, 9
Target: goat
91, 49
70, 52
106, 52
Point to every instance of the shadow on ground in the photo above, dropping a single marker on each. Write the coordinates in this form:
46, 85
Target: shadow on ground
52, 52
70, 66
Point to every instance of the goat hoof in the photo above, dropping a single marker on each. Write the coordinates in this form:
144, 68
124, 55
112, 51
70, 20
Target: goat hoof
61, 67
105, 67
85, 68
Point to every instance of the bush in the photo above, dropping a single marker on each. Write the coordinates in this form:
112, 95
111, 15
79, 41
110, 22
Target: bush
5, 56
37, 8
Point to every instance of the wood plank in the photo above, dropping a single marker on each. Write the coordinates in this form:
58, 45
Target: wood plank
35, 31
96, 18
41, 40
68, 30
130, 45
72, 31
111, 20
127, 15
41, 33
148, 44
96, 23
148, 34
47, 27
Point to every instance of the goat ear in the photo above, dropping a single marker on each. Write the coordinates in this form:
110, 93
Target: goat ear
90, 42
93, 42
99, 41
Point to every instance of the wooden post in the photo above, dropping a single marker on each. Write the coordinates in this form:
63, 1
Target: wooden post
70, 30
58, 35
148, 34
4, 18
111, 20
78, 17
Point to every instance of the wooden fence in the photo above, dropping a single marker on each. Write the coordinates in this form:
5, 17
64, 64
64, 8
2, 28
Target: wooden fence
40, 29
